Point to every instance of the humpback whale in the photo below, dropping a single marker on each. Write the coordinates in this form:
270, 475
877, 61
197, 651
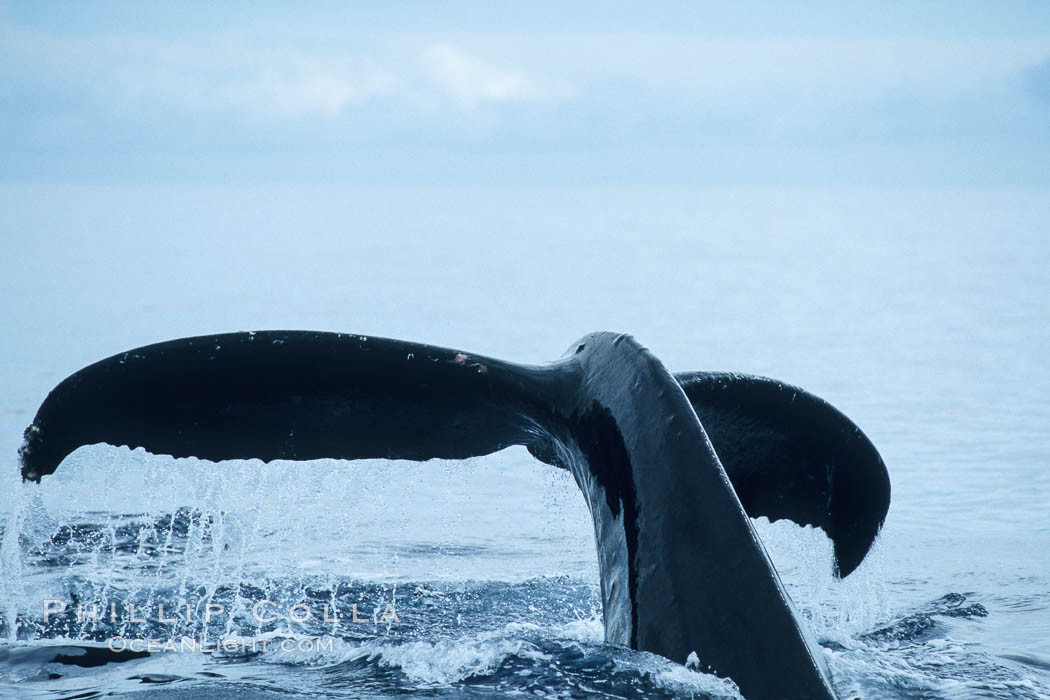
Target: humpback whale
671, 465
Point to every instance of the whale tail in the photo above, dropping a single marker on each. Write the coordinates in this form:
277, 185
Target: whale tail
682, 570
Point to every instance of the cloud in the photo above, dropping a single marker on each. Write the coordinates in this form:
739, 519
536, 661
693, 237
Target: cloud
473, 81
285, 73
603, 101
258, 83
257, 74
224, 74
739, 73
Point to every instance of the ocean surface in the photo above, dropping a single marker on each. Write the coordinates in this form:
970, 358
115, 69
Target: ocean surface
924, 315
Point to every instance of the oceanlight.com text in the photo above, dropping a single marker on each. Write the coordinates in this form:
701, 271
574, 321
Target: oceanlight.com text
227, 646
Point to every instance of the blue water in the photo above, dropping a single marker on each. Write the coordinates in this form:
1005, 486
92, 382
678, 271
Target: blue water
922, 314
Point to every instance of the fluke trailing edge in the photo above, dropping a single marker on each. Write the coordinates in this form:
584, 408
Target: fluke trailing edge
682, 569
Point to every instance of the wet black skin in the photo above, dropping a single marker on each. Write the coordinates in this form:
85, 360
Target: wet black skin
671, 466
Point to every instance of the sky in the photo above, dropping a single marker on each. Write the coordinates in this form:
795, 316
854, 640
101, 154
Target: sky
934, 94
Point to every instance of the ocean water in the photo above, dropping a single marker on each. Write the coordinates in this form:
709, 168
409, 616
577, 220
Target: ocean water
923, 314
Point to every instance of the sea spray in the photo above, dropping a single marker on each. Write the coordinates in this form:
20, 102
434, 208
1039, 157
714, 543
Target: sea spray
11, 561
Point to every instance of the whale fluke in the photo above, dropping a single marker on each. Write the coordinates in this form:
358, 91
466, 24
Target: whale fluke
682, 569
792, 455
